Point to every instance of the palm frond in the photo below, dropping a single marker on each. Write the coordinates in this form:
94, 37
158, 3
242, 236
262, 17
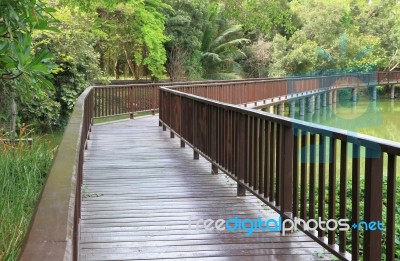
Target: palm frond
231, 30
231, 43
213, 56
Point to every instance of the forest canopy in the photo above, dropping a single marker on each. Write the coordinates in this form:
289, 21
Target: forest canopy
51, 50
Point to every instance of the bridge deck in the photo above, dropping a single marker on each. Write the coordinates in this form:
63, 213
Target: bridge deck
141, 188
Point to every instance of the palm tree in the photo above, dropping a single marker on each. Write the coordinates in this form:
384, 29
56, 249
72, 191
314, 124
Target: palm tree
221, 48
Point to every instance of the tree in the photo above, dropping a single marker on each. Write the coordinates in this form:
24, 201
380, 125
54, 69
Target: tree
184, 29
258, 57
133, 29
331, 38
21, 73
73, 47
221, 47
260, 18
293, 56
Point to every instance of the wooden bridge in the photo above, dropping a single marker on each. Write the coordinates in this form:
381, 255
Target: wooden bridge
128, 190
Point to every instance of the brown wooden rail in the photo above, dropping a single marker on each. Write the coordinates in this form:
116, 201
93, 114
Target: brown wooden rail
54, 229
115, 100
287, 163
250, 146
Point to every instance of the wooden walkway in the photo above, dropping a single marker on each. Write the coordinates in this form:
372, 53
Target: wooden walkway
141, 189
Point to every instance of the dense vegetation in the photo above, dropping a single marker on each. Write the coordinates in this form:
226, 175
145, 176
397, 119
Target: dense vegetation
23, 170
51, 50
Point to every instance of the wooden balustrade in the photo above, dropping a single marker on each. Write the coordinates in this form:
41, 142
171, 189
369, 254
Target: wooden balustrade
272, 157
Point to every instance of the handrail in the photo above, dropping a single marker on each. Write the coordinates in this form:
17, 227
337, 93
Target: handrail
275, 158
53, 233
54, 230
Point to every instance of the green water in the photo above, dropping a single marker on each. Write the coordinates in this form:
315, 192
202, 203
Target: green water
379, 118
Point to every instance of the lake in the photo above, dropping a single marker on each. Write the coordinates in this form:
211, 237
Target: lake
379, 118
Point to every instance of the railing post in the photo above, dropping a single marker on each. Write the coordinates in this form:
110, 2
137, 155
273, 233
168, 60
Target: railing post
287, 170
154, 90
131, 102
214, 169
373, 203
242, 151
195, 126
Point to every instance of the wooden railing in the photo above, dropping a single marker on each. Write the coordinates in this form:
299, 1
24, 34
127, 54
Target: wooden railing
292, 166
54, 229
114, 100
391, 77
249, 145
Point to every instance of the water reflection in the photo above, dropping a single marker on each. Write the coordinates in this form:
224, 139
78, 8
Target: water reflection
377, 118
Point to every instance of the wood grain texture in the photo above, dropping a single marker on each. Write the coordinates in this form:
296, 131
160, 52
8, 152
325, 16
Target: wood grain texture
140, 189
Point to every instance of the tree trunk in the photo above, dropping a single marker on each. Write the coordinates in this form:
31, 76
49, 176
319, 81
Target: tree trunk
13, 120
116, 69
130, 63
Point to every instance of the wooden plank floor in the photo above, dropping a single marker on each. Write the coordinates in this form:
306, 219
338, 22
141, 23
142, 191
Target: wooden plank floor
141, 189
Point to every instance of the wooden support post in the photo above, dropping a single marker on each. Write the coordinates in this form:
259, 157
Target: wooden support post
373, 203
310, 104
242, 154
286, 183
373, 93
392, 91
172, 135
214, 169
317, 102
182, 144
323, 102
354, 95
281, 109
330, 97
196, 155
164, 128
302, 106
292, 108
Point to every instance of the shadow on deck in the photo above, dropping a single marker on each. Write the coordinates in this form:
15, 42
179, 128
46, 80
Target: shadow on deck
140, 189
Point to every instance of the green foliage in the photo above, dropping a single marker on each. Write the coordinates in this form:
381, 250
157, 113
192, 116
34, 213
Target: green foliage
42, 113
384, 216
221, 47
18, 20
296, 55
337, 36
261, 17
22, 173
132, 31
78, 67
195, 68
258, 58
184, 29
23, 74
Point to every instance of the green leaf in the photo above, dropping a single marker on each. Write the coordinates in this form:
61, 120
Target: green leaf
3, 30
4, 46
40, 68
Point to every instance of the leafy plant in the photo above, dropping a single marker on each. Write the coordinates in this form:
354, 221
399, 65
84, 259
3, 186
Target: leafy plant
23, 169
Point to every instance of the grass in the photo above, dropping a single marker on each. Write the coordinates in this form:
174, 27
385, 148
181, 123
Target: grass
23, 170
